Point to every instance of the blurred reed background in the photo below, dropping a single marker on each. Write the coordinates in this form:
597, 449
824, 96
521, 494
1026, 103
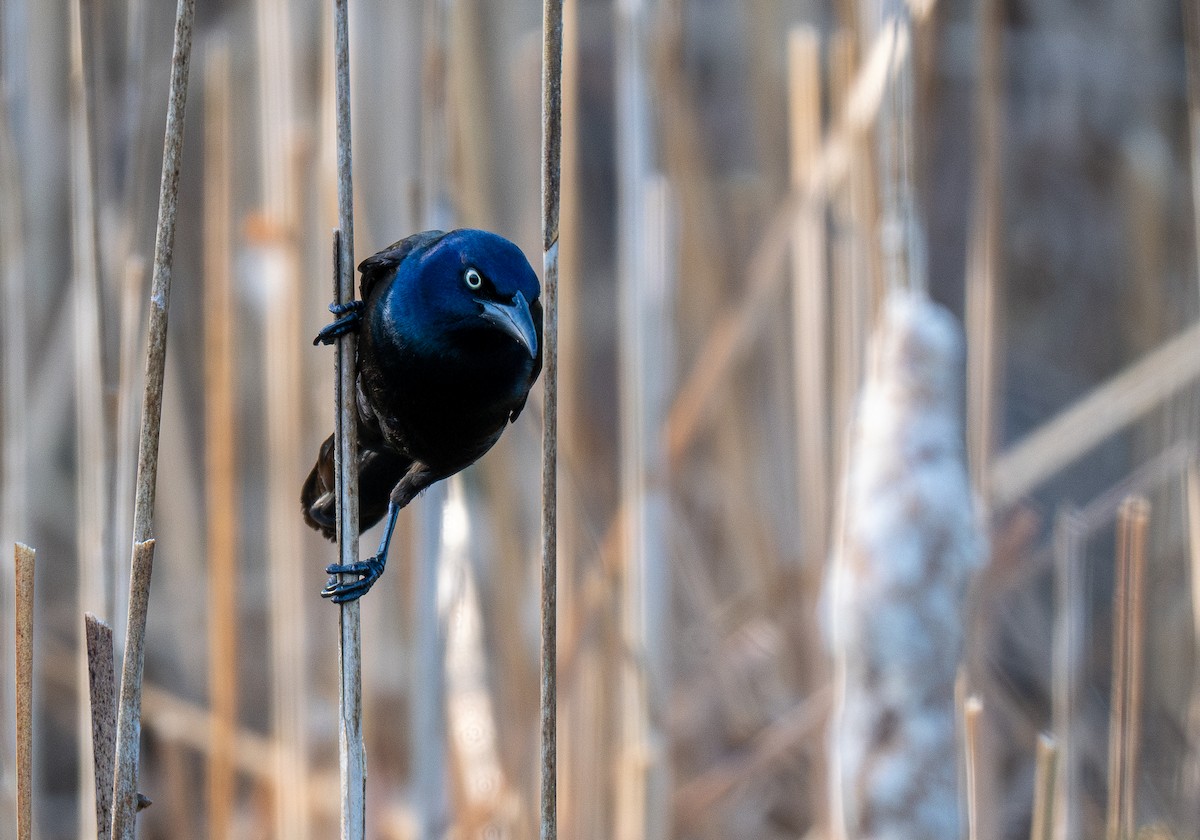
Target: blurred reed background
743, 185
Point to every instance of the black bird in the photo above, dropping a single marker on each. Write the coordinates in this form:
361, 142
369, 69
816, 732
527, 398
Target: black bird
449, 344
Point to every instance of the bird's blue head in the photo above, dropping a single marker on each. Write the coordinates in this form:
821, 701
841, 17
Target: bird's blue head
470, 282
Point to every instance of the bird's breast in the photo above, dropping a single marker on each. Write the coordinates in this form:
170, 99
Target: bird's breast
443, 400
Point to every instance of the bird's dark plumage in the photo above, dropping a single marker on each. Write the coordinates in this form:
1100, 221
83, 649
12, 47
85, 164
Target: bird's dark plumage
449, 344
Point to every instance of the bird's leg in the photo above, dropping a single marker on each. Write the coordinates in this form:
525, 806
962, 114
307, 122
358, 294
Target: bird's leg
368, 570
418, 477
349, 317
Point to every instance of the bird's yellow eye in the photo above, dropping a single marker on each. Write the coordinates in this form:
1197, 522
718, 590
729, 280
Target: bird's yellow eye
472, 278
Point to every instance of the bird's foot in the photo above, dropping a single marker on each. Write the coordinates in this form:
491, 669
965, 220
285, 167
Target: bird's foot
349, 317
341, 591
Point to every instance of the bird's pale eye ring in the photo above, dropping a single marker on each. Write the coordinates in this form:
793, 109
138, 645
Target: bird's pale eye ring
472, 278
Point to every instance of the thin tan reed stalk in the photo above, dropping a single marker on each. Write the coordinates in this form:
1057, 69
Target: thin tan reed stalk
984, 250
23, 565
102, 689
1043, 821
552, 56
1191, 41
972, 714
351, 754
91, 419
14, 414
281, 274
129, 709
1124, 731
220, 433
1066, 656
129, 712
809, 296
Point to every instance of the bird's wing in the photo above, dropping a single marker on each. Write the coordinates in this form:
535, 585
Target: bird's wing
535, 310
378, 266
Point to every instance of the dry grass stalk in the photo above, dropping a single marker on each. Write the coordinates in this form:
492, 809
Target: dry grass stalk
220, 433
809, 314
1043, 825
23, 567
280, 274
1066, 658
351, 755
132, 333
14, 406
485, 799
1191, 41
640, 810
102, 685
1124, 731
854, 263
1107, 409
91, 424
160, 292
972, 713
552, 54
1192, 491
129, 713
984, 257
129, 710
909, 542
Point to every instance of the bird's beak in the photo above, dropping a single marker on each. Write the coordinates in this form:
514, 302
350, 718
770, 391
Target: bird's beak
514, 319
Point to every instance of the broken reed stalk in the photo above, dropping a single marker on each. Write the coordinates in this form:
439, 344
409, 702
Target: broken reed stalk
809, 295
23, 568
1124, 729
972, 712
102, 689
552, 45
984, 254
351, 756
221, 489
1065, 657
1042, 827
129, 711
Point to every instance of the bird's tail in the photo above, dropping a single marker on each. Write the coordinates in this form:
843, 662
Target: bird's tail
378, 472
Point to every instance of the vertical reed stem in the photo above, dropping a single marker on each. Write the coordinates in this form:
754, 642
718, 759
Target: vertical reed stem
972, 712
351, 756
129, 713
1191, 41
809, 315
91, 435
983, 260
102, 686
1125, 709
220, 452
1043, 790
23, 560
1066, 646
552, 34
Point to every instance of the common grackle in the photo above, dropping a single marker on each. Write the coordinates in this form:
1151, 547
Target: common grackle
449, 344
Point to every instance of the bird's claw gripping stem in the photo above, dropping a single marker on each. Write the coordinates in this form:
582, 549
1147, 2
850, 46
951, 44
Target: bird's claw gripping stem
349, 317
340, 591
